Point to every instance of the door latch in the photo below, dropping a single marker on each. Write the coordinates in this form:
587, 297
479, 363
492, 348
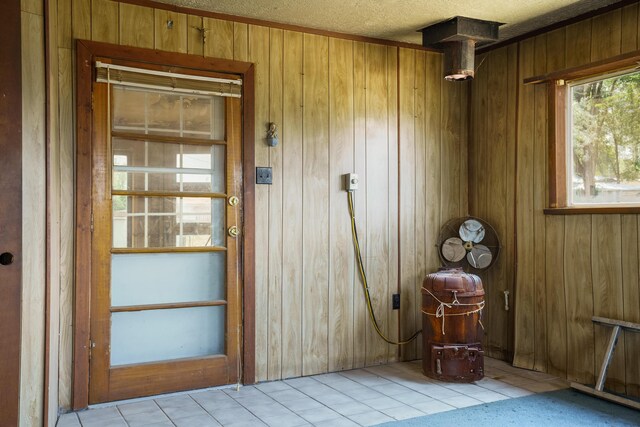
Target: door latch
233, 201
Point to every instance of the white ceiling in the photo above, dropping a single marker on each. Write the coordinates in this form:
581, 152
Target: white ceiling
399, 19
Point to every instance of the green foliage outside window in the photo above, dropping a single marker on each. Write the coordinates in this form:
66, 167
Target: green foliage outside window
605, 140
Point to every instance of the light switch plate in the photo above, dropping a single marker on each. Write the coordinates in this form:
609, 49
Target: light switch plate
264, 176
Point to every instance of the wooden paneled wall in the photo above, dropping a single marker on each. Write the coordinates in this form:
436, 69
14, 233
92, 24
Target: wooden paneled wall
33, 214
341, 106
569, 268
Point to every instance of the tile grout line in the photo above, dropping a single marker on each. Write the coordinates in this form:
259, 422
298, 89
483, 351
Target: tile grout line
163, 411
205, 410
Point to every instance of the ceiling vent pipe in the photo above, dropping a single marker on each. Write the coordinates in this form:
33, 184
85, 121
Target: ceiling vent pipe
458, 38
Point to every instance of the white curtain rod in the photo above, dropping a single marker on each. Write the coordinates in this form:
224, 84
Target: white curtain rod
167, 74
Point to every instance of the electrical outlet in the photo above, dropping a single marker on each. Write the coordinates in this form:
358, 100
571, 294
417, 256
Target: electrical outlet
350, 181
395, 302
264, 176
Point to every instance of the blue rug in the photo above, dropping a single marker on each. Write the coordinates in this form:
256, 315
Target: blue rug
556, 408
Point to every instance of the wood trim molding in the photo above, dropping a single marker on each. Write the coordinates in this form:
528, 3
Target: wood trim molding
82, 300
615, 63
272, 24
557, 97
248, 246
591, 210
11, 218
86, 53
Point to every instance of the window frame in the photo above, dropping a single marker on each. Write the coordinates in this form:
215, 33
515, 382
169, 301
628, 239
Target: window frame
557, 98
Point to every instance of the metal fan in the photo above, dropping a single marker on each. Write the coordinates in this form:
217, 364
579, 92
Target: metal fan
468, 242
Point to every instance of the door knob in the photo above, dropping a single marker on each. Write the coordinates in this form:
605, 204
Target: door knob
6, 258
233, 231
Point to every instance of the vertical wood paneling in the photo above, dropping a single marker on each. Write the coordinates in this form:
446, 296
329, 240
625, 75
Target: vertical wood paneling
170, 31
52, 330
606, 257
495, 188
64, 24
81, 19
65, 108
219, 38
240, 42
33, 219
478, 198
629, 23
315, 204
525, 288
420, 196
276, 218
509, 240
539, 202
556, 298
606, 35
450, 152
392, 132
432, 184
259, 54
578, 43
631, 300
556, 56
34, 7
478, 145
579, 298
292, 206
104, 19
433, 117
361, 317
136, 26
196, 35
377, 209
463, 138
407, 200
341, 277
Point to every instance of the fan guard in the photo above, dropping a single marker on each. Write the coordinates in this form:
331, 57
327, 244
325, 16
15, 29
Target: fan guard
468, 242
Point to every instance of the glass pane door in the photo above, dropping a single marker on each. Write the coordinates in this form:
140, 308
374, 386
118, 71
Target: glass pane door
168, 253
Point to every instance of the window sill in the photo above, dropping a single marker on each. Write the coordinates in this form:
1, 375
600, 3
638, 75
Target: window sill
588, 210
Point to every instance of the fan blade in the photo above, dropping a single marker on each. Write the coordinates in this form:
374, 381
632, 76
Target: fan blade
453, 249
471, 231
480, 257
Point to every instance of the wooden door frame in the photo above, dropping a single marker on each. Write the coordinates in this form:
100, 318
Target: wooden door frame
11, 216
86, 53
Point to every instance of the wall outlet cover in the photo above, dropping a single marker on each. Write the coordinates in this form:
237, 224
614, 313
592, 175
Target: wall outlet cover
395, 302
264, 176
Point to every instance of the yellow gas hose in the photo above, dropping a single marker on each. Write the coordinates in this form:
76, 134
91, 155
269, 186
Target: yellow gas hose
363, 276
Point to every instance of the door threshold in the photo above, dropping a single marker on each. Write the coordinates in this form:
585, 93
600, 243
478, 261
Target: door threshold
161, 396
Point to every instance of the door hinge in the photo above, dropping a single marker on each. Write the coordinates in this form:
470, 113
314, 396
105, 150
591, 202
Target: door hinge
91, 347
91, 225
92, 101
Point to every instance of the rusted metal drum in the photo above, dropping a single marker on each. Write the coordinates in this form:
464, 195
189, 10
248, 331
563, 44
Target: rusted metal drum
452, 303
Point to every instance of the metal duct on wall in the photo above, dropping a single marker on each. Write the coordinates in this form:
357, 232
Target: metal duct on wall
458, 38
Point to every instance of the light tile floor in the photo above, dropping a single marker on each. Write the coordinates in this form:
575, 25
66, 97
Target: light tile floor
360, 397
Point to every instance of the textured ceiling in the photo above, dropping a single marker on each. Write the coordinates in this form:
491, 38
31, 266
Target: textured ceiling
399, 19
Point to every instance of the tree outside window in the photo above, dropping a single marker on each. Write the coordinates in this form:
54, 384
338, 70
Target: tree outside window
604, 140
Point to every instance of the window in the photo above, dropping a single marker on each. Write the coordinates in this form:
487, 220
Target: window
603, 137
594, 136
